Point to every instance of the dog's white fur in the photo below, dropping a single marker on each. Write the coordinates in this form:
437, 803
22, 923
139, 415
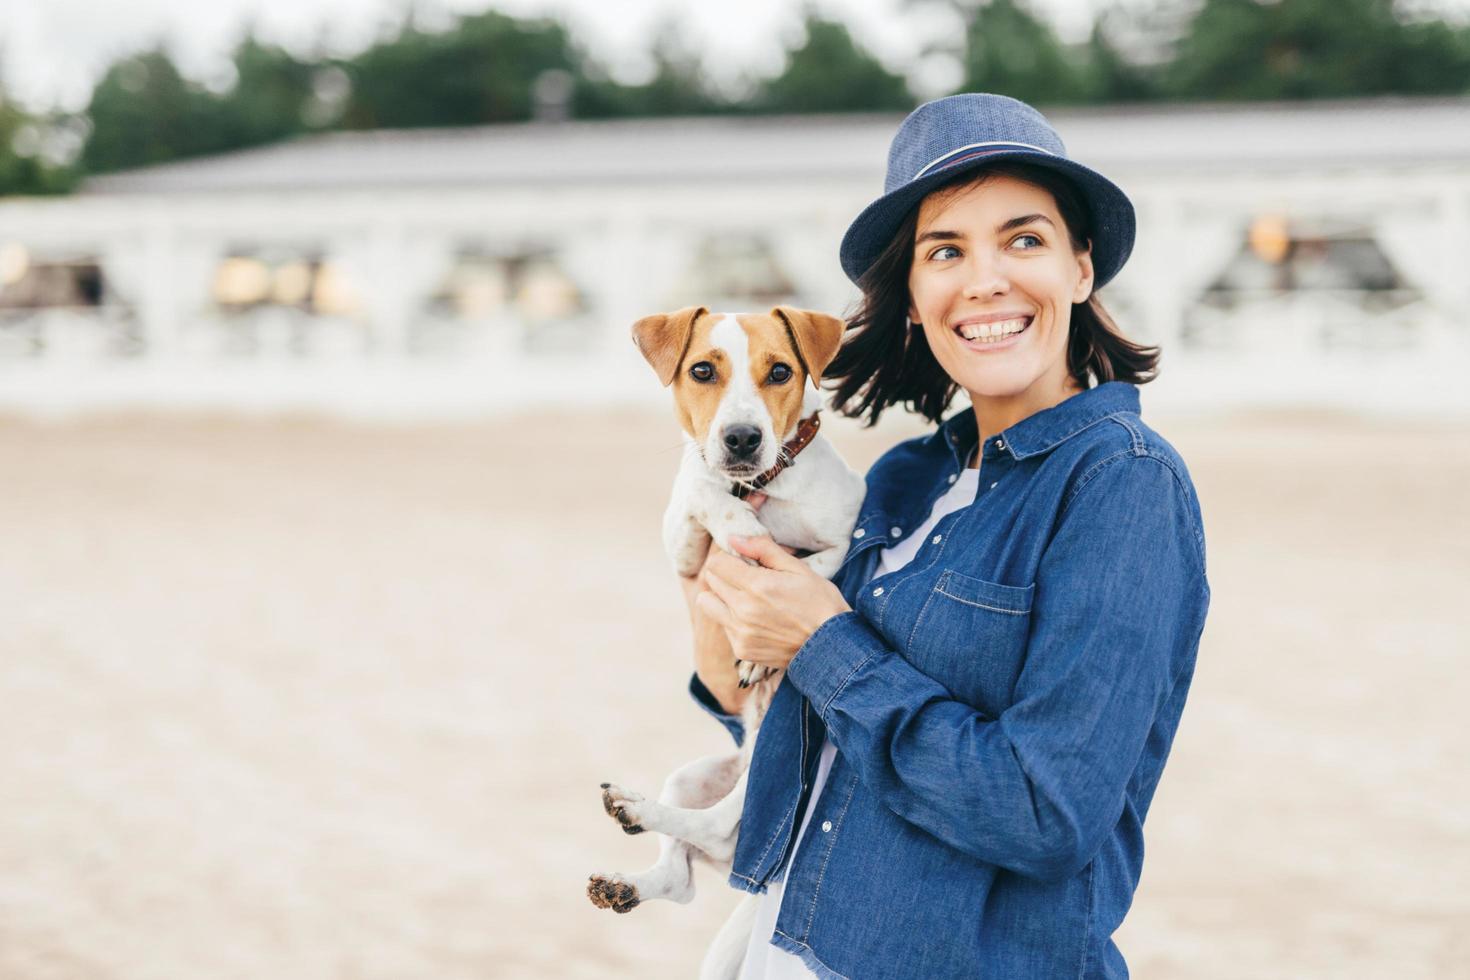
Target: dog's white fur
811, 506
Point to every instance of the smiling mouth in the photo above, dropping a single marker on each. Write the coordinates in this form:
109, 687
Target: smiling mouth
995, 331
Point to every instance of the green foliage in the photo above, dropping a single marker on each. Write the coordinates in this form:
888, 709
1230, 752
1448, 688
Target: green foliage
271, 96
1008, 49
23, 167
1108, 76
1305, 49
482, 71
831, 73
486, 68
678, 87
143, 111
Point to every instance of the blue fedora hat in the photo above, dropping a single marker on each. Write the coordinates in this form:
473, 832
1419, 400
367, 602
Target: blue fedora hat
948, 138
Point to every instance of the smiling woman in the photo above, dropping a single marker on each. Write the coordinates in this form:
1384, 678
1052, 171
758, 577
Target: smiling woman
882, 363
951, 780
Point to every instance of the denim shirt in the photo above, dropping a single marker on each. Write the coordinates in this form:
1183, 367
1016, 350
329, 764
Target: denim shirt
1002, 706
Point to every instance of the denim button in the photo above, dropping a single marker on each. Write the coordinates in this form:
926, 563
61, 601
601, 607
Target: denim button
894, 532
935, 539
826, 826
877, 592
859, 533
952, 478
1000, 444
994, 485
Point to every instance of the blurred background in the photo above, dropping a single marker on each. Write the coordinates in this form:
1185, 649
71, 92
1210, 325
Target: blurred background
331, 580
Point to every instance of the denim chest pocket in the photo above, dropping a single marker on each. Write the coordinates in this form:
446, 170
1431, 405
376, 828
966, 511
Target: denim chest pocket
971, 637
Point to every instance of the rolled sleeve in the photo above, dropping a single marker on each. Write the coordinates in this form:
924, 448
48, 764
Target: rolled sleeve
702, 697
1120, 599
831, 655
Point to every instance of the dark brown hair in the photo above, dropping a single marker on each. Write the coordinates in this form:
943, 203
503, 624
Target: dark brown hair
883, 363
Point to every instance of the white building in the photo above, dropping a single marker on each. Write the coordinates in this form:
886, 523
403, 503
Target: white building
1305, 254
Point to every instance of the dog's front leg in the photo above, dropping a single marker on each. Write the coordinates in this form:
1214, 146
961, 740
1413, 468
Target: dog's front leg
723, 514
826, 562
685, 540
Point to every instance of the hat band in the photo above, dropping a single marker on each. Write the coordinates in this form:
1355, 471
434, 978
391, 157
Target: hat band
980, 150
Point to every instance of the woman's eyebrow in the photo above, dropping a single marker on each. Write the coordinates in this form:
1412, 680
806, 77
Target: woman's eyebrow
937, 236
1024, 219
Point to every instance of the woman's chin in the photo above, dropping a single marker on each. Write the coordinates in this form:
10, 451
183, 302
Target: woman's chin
1003, 381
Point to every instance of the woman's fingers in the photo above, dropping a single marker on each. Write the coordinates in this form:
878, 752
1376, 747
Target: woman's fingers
735, 571
714, 608
766, 551
727, 589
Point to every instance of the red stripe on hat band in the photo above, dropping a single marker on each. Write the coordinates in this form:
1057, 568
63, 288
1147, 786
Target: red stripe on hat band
988, 151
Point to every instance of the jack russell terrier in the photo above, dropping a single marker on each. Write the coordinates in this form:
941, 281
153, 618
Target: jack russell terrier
751, 425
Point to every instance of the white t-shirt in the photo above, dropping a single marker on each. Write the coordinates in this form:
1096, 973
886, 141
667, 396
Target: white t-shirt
762, 960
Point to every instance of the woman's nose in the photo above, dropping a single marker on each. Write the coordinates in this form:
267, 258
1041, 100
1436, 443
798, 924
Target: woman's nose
986, 278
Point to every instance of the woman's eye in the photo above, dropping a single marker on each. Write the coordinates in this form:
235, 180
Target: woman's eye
1027, 241
780, 373
944, 253
703, 371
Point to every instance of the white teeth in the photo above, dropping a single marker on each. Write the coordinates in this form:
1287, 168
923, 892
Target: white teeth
993, 331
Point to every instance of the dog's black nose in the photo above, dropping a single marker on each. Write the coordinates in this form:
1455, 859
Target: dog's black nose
742, 440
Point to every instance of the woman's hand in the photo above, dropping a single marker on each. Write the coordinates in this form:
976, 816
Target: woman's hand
767, 611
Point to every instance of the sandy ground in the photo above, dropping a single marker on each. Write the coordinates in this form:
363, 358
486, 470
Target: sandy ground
296, 699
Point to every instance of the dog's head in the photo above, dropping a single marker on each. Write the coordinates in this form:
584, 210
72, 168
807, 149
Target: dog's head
739, 378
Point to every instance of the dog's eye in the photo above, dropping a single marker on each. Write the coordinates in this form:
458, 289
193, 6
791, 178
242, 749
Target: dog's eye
702, 372
780, 373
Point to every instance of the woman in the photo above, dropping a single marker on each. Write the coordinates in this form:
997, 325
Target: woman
952, 778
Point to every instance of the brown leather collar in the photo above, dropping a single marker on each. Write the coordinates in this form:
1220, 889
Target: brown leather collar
806, 431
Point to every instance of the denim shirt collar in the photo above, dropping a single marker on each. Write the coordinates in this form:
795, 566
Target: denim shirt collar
1044, 431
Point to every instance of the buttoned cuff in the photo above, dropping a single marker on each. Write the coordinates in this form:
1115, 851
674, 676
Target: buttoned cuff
711, 705
830, 656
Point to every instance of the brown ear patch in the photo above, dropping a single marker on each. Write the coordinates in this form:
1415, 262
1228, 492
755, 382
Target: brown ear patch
663, 338
816, 337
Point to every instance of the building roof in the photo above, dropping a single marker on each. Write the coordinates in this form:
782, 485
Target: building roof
813, 148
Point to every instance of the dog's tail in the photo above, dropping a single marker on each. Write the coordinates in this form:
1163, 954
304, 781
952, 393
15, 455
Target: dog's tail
727, 953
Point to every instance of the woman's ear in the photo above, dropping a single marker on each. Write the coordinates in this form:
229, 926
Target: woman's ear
1084, 285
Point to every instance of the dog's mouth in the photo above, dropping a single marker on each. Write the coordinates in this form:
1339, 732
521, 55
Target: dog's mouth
741, 472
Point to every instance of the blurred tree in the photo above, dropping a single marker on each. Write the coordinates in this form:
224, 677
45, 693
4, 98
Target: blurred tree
270, 98
481, 71
1009, 50
830, 72
1300, 49
491, 67
143, 111
678, 86
24, 166
1110, 75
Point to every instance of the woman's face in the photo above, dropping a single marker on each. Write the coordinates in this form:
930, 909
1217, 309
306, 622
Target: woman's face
993, 281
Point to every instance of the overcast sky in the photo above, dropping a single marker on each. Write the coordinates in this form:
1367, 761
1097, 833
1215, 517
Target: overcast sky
51, 51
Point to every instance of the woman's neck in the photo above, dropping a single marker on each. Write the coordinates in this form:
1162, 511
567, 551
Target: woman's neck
994, 414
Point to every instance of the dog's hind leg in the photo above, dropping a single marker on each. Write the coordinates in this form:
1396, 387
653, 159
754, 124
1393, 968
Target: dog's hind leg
671, 877
712, 829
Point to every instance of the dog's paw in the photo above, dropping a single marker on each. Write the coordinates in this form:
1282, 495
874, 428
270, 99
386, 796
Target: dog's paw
825, 563
622, 806
739, 520
750, 673
612, 892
